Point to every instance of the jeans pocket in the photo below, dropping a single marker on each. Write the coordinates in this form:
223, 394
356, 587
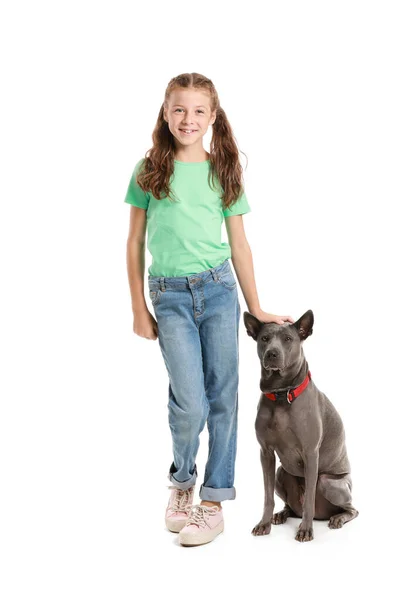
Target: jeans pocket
155, 295
227, 279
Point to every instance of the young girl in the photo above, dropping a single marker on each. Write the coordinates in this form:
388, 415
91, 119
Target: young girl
182, 194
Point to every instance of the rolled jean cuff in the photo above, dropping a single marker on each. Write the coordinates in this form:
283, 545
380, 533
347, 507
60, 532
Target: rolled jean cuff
182, 485
217, 494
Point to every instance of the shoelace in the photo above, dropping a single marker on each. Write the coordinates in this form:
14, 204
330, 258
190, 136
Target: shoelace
182, 499
199, 513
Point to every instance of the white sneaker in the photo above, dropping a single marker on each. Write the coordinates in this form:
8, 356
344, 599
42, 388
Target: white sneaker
179, 505
204, 523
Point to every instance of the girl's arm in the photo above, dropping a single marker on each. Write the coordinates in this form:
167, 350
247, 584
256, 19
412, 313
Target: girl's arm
135, 257
243, 265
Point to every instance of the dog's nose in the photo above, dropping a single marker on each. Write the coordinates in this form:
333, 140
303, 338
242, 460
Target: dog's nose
272, 360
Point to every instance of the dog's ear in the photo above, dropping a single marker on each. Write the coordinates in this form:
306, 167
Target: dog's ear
252, 324
304, 325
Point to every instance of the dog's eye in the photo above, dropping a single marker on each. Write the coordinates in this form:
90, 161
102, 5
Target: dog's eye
288, 339
265, 338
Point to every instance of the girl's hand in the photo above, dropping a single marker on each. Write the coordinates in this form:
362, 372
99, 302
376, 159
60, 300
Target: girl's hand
270, 318
144, 324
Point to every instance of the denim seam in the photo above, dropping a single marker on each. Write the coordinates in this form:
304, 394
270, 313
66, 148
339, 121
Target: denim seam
232, 451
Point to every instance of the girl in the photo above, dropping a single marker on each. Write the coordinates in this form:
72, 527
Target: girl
182, 194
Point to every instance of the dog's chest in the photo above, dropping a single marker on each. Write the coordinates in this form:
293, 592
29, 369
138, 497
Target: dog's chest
274, 428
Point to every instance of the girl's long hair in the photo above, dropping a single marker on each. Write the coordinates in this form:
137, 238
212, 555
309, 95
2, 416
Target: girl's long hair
158, 165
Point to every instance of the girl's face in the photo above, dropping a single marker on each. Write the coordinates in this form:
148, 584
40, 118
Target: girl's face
188, 116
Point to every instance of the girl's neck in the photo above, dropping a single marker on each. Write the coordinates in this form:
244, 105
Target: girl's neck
195, 157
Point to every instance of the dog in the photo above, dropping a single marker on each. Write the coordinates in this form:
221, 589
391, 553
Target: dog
299, 423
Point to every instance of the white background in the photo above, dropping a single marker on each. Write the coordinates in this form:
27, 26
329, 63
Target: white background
322, 100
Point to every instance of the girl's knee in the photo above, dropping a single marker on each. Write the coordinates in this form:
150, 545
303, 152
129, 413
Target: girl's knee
187, 426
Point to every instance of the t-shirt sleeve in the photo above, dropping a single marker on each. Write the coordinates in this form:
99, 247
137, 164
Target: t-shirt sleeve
135, 195
240, 207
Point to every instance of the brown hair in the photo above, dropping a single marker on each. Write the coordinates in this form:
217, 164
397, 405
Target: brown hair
158, 165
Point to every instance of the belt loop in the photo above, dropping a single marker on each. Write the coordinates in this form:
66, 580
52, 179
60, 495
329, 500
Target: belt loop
162, 283
213, 272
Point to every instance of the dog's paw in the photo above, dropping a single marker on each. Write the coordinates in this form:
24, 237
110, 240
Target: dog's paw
304, 534
261, 528
280, 517
336, 522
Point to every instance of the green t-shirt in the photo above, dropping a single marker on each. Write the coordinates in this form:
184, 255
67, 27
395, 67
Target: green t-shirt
184, 235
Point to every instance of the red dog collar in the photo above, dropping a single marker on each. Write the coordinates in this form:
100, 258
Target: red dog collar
292, 393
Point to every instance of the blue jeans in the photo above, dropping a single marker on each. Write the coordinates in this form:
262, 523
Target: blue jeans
198, 333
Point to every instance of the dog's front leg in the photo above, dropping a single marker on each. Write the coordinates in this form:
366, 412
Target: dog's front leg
305, 530
268, 468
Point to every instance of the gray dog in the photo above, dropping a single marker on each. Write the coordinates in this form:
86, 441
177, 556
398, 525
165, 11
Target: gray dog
298, 422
